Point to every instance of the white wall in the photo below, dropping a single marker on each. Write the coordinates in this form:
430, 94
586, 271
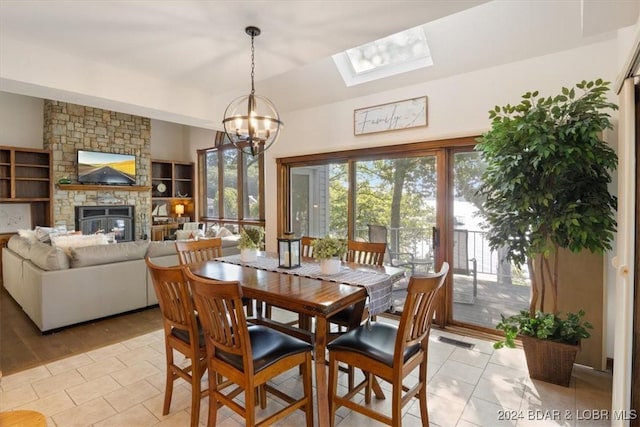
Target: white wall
21, 120
168, 141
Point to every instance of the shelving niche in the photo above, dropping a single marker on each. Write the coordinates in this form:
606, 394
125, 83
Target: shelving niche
25, 177
172, 183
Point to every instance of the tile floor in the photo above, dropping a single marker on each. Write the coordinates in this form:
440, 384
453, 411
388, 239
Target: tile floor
123, 385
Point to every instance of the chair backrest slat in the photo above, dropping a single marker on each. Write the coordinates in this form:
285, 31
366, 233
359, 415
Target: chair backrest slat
369, 253
417, 313
307, 249
194, 251
174, 295
219, 305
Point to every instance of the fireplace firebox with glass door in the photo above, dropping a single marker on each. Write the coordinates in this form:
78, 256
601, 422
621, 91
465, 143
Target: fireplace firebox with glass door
119, 220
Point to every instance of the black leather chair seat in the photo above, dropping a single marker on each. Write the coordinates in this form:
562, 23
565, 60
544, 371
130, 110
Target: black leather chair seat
267, 346
184, 335
376, 340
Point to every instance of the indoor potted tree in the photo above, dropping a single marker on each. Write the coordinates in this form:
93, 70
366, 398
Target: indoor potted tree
545, 186
329, 252
250, 242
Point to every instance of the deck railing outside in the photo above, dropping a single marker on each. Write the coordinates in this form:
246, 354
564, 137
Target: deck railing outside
418, 241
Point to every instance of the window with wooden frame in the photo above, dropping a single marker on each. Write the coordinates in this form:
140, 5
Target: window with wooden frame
231, 185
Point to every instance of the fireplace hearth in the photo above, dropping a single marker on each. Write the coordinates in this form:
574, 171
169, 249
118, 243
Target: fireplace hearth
119, 220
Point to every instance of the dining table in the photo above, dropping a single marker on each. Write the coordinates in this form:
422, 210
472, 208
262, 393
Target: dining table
306, 291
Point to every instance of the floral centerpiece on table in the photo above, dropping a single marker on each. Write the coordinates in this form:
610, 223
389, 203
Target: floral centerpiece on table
329, 247
250, 242
329, 251
250, 238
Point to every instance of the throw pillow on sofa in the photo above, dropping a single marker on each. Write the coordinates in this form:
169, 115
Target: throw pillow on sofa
67, 241
48, 257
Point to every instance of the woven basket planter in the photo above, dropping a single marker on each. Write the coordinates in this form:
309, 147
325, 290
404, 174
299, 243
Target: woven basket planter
548, 360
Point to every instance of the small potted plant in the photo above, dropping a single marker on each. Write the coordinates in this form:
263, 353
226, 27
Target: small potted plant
250, 243
329, 252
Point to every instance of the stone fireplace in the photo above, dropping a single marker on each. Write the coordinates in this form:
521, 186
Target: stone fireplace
69, 127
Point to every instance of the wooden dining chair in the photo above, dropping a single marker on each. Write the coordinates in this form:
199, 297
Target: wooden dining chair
389, 352
370, 253
367, 253
181, 333
307, 249
194, 251
247, 356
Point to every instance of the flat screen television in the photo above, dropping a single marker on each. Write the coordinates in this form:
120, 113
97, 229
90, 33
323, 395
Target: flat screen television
106, 168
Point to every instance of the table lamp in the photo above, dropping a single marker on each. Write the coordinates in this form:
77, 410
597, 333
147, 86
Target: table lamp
179, 209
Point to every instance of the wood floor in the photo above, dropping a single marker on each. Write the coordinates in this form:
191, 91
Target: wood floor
22, 346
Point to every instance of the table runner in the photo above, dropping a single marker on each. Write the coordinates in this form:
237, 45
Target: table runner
378, 285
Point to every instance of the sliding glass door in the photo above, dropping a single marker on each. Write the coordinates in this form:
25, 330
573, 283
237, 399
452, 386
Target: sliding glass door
319, 200
395, 203
484, 285
421, 200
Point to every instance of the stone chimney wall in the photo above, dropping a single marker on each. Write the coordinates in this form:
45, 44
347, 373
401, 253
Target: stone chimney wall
70, 127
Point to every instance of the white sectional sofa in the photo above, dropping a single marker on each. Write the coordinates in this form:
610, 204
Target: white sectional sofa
57, 288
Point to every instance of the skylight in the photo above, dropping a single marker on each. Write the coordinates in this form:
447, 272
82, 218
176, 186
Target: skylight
395, 54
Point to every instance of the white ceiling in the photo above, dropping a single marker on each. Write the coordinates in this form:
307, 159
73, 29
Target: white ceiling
201, 45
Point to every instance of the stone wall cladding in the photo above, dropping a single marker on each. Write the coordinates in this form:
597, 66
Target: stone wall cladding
69, 127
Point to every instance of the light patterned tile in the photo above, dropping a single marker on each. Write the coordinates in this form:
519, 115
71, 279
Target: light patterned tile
470, 357
481, 412
510, 357
86, 414
125, 397
51, 404
108, 351
57, 383
16, 397
93, 389
20, 379
141, 341
138, 416
450, 388
69, 363
442, 411
142, 354
129, 380
134, 373
460, 371
500, 391
101, 367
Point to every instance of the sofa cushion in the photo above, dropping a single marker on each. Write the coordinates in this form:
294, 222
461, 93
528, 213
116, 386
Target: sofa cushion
48, 257
105, 254
20, 245
162, 248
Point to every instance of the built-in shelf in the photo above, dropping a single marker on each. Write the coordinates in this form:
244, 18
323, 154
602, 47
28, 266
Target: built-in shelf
93, 187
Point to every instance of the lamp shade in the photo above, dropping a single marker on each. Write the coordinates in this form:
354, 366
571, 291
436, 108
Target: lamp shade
289, 251
179, 209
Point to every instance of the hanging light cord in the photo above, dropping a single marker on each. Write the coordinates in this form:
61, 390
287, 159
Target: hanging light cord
253, 65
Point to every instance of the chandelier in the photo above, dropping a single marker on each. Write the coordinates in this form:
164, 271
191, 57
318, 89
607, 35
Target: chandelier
251, 122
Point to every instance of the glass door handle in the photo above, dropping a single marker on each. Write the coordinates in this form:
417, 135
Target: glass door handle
435, 237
